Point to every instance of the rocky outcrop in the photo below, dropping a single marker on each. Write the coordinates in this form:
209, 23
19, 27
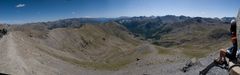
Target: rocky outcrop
3, 32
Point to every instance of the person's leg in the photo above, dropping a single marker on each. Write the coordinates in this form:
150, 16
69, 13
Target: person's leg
222, 54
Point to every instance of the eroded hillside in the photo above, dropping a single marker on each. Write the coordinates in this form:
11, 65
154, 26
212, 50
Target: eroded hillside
123, 46
39, 51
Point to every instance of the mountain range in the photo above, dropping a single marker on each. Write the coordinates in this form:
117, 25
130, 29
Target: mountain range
83, 45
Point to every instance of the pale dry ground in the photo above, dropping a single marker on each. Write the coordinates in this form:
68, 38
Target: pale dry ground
19, 58
68, 51
20, 55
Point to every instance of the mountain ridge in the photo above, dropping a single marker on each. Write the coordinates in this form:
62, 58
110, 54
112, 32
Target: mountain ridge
109, 46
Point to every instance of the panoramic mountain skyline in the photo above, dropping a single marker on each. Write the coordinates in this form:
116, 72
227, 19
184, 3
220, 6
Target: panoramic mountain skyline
117, 37
24, 11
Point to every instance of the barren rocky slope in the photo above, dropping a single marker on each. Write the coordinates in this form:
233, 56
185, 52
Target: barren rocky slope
68, 51
74, 48
19, 56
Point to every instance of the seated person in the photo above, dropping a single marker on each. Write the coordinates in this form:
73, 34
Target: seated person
231, 52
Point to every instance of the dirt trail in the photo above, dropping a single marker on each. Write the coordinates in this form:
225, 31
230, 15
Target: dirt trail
16, 61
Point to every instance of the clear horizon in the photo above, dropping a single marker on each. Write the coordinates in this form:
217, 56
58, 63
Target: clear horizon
26, 11
9, 22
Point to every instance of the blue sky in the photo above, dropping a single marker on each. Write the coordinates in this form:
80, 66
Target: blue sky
23, 11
